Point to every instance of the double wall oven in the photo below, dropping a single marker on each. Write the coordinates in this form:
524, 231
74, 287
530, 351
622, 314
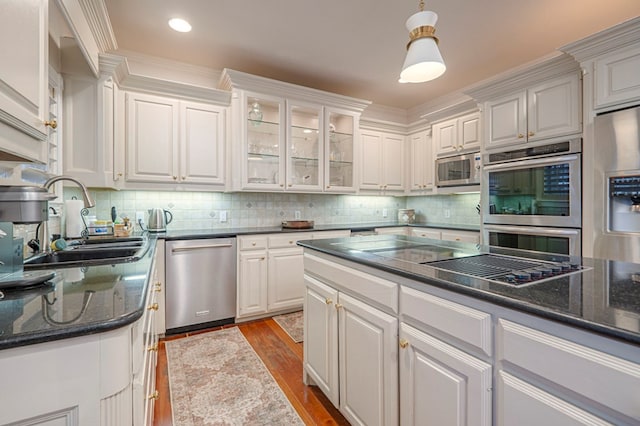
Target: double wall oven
531, 198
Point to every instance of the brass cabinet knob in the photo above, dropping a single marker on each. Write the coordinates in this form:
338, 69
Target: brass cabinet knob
328, 301
154, 395
175, 177
262, 258
153, 307
338, 305
153, 348
290, 185
119, 174
184, 178
158, 289
404, 343
282, 185
328, 186
531, 133
290, 241
520, 136
51, 123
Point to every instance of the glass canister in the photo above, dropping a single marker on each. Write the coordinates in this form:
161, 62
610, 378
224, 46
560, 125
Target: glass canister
406, 215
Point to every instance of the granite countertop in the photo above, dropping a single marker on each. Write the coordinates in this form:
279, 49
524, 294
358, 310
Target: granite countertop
604, 298
182, 234
78, 301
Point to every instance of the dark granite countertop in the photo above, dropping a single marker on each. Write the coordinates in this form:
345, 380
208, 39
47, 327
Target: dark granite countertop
604, 298
188, 234
78, 301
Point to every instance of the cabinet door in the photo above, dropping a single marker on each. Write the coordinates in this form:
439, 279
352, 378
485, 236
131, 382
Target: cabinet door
553, 108
469, 134
521, 403
321, 337
445, 137
617, 79
393, 162
151, 138
464, 236
340, 151
422, 163
368, 354
371, 173
426, 233
24, 102
202, 140
305, 148
252, 283
506, 120
286, 285
441, 385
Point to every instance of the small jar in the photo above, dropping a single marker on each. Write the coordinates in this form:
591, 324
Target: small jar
406, 215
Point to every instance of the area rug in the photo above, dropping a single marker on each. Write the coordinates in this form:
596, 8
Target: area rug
293, 324
217, 378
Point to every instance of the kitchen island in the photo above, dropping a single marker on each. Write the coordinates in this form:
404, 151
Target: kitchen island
390, 324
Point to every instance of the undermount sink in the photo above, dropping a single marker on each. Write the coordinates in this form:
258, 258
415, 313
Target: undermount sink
100, 251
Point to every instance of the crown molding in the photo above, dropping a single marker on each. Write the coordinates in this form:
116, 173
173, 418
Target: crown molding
383, 126
461, 107
617, 37
237, 80
115, 66
95, 11
550, 66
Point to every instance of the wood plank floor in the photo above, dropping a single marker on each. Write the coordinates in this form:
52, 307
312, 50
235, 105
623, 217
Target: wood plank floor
283, 358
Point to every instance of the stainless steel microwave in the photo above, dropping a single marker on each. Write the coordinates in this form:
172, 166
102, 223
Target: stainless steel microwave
458, 170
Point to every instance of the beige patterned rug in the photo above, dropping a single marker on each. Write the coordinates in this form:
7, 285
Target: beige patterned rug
293, 324
217, 378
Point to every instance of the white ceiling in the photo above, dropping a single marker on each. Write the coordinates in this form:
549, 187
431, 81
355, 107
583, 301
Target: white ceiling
356, 47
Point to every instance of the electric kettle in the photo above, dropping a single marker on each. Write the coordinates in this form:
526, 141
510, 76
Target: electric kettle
158, 220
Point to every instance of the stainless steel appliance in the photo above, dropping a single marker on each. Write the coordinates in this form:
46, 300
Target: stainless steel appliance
158, 220
531, 198
201, 283
616, 179
459, 170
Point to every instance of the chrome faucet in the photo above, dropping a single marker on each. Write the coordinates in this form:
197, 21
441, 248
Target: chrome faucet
43, 236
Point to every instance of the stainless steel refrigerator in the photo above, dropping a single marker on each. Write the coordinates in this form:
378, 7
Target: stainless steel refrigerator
616, 188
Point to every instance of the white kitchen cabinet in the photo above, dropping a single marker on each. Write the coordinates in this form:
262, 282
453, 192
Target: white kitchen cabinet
24, 100
433, 233
617, 80
440, 384
446, 234
286, 270
382, 161
457, 135
545, 110
422, 175
350, 353
394, 230
252, 283
173, 141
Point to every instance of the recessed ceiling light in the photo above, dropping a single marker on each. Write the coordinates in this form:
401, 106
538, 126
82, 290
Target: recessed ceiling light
180, 25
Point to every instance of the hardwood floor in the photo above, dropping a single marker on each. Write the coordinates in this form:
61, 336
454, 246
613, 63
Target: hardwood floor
283, 358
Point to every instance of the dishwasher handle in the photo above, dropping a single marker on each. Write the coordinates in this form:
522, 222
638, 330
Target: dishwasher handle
208, 246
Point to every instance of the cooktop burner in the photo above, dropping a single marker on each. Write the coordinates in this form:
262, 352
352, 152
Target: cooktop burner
505, 269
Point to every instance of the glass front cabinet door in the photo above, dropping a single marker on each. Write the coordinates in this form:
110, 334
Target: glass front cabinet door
340, 151
265, 150
304, 147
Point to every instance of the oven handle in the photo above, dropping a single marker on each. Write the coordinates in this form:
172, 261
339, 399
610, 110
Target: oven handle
536, 230
530, 163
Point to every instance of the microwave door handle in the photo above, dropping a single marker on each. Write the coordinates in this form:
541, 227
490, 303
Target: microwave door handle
530, 163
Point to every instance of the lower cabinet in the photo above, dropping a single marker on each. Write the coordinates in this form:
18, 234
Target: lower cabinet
350, 353
446, 234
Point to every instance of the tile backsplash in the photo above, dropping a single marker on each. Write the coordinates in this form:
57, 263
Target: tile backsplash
202, 210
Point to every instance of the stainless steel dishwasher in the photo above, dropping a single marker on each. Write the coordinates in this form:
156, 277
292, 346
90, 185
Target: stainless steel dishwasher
200, 283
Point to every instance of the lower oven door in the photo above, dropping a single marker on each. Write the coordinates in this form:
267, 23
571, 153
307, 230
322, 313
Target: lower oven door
536, 192
549, 240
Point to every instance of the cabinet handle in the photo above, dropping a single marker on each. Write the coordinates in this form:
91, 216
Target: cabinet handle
253, 243
338, 305
158, 289
328, 186
119, 174
531, 133
153, 348
262, 258
184, 178
51, 123
520, 136
175, 177
404, 343
290, 185
153, 307
328, 301
282, 185
154, 395
290, 241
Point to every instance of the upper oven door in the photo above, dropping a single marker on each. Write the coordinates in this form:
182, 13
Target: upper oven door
534, 192
458, 170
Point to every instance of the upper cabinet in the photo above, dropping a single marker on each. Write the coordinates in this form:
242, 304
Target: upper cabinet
457, 135
382, 161
290, 138
24, 99
421, 177
528, 105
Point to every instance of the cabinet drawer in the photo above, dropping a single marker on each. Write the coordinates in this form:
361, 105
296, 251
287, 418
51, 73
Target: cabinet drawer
252, 242
609, 380
288, 239
381, 293
425, 233
331, 234
464, 236
466, 324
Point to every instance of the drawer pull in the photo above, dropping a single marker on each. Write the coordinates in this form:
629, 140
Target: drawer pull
520, 136
290, 241
328, 301
404, 343
153, 307
531, 133
253, 243
153, 348
154, 395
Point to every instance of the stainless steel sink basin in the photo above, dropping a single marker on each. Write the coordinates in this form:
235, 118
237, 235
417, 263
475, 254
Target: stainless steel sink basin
92, 252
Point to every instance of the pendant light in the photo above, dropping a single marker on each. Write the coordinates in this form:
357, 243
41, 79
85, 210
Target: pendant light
423, 61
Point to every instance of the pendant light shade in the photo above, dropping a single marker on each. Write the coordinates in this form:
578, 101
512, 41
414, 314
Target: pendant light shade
423, 61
